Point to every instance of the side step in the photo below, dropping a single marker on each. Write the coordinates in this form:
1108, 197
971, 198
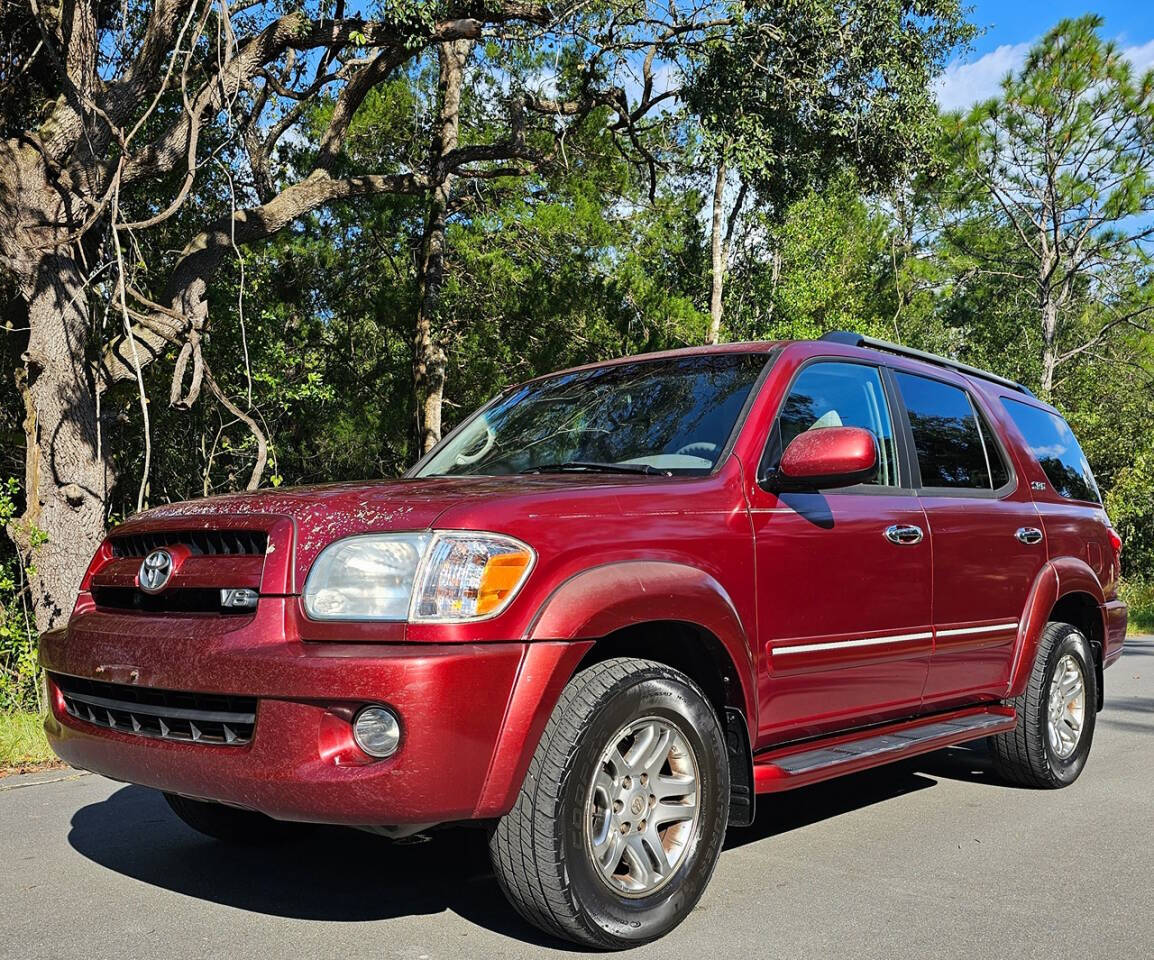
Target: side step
804, 763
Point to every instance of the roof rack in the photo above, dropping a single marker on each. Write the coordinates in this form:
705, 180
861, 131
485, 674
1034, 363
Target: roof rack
851, 339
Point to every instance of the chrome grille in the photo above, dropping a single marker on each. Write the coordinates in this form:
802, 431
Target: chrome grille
207, 718
209, 543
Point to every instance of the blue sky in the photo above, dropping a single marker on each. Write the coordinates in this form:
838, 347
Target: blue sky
1011, 26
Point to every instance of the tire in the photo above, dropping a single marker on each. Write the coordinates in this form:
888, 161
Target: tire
543, 850
1028, 754
229, 824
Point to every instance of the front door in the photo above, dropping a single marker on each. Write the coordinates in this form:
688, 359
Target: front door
843, 576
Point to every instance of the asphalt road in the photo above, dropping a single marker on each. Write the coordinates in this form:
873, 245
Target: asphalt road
929, 859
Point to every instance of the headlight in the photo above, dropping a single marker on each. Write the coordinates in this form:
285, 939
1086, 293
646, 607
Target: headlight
454, 575
365, 578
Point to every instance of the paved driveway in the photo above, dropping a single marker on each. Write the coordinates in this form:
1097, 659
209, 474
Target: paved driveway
929, 859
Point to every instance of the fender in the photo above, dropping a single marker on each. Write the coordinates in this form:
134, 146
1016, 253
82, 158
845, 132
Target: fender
544, 670
1058, 578
600, 600
584, 608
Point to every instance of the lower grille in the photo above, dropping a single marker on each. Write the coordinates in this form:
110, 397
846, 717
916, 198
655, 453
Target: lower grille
164, 714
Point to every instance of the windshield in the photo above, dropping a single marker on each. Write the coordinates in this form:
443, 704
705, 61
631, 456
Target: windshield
669, 416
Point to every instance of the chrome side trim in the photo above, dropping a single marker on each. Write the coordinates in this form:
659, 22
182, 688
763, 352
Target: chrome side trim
842, 644
988, 629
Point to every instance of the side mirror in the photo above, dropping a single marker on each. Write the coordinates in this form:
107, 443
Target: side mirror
827, 457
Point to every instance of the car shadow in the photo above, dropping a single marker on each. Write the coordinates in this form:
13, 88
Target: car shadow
330, 874
780, 813
342, 875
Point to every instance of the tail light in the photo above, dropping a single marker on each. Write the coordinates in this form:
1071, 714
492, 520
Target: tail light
1115, 541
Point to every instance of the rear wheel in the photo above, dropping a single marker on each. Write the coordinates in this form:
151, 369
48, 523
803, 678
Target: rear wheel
620, 820
229, 824
1056, 714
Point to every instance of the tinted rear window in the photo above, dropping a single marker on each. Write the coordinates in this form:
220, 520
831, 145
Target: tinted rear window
947, 436
1053, 445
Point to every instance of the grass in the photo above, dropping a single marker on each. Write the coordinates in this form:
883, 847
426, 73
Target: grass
23, 745
1140, 598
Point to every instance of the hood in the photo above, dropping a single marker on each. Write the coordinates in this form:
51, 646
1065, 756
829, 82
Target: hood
328, 512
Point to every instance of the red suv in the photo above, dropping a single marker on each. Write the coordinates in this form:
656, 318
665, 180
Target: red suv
606, 612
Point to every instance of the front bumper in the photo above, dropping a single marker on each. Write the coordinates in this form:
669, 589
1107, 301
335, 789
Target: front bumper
471, 715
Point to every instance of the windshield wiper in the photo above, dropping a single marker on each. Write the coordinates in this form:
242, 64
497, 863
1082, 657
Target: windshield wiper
593, 466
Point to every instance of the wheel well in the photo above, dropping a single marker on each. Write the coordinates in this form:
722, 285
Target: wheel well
1081, 610
702, 657
684, 646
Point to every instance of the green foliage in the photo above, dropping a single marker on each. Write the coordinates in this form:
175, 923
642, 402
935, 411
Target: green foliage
595, 254
802, 88
19, 670
1130, 504
827, 270
1139, 596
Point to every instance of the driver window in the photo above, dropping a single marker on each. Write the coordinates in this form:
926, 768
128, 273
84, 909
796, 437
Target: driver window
836, 394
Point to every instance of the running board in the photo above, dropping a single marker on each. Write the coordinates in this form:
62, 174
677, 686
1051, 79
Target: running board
795, 766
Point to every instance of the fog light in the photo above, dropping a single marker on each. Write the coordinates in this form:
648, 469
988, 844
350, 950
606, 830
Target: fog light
377, 731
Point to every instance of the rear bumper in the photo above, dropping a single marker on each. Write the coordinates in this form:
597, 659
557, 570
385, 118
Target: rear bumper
471, 716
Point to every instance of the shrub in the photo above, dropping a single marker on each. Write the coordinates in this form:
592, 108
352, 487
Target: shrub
19, 670
1140, 597
1130, 504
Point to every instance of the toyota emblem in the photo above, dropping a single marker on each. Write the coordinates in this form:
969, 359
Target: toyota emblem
155, 571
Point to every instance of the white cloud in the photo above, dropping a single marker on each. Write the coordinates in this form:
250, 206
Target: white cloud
962, 85
1141, 56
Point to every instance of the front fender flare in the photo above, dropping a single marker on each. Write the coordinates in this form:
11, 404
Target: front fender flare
601, 600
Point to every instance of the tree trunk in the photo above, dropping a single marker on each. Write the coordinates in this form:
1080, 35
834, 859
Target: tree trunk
1049, 348
428, 354
1049, 309
717, 253
66, 474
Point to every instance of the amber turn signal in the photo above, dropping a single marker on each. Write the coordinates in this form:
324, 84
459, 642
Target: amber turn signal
500, 577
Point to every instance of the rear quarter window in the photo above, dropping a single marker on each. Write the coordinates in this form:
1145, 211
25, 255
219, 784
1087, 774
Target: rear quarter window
1054, 446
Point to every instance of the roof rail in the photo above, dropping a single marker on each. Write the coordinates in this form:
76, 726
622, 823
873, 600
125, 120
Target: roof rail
857, 340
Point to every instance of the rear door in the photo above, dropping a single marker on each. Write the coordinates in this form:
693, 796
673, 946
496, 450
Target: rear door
843, 610
987, 537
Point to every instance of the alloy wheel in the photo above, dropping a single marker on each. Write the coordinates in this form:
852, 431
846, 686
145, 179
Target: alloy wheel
642, 810
1067, 707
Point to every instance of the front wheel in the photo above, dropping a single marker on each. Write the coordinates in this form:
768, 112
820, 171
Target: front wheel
620, 820
1056, 714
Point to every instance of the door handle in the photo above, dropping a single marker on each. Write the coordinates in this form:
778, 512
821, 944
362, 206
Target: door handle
1029, 535
904, 533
